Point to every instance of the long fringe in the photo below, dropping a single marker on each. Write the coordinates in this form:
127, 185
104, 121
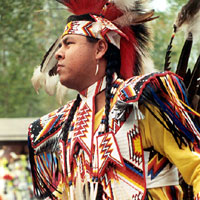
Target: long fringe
42, 174
167, 94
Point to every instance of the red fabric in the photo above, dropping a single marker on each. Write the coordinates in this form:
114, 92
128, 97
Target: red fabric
197, 197
8, 177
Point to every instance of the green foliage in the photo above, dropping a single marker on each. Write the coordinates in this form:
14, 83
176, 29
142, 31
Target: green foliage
17, 48
162, 32
24, 27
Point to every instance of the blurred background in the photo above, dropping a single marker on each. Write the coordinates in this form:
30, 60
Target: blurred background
27, 29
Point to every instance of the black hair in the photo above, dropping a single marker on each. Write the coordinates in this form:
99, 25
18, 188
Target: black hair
113, 65
142, 35
112, 57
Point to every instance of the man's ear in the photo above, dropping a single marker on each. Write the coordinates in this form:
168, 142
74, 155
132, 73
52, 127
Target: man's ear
101, 48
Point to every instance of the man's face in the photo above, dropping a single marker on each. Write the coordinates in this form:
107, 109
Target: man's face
76, 62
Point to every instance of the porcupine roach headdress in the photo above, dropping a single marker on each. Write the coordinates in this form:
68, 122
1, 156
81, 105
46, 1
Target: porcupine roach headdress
120, 22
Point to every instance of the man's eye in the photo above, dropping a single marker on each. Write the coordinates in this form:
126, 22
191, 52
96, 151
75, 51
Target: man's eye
68, 43
60, 45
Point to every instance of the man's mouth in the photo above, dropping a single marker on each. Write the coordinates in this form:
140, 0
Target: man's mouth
59, 66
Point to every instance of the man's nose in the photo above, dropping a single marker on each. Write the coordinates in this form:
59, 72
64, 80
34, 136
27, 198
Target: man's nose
59, 54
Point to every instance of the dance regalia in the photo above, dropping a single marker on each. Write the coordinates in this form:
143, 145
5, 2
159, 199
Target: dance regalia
134, 159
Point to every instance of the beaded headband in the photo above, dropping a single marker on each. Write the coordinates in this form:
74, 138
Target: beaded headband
100, 29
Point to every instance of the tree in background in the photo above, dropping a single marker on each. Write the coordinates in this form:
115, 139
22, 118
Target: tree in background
28, 28
25, 35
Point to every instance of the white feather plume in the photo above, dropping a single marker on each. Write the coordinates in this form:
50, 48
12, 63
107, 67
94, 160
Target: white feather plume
61, 92
147, 62
43, 80
148, 65
126, 5
50, 84
38, 79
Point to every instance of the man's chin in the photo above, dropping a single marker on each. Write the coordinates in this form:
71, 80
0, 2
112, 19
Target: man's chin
68, 84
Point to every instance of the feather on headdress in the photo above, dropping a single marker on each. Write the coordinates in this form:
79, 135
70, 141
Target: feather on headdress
80, 7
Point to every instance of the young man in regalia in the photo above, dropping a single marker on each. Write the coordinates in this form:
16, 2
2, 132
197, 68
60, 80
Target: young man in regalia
126, 135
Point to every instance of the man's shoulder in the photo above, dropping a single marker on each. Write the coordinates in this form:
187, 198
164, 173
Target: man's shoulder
133, 88
48, 125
